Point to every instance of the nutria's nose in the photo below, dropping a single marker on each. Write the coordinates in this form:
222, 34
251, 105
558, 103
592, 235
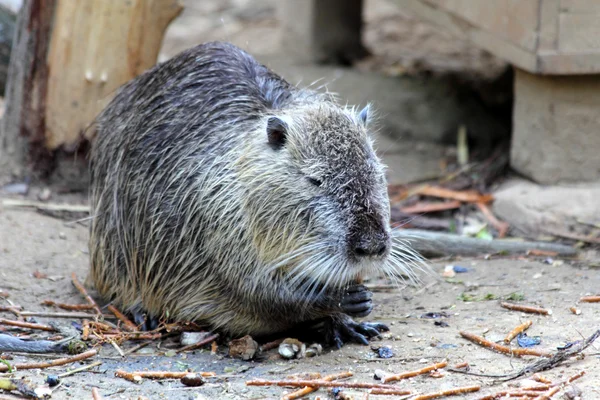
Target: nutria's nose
371, 245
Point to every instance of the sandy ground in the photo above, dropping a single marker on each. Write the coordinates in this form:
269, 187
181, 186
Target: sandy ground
32, 242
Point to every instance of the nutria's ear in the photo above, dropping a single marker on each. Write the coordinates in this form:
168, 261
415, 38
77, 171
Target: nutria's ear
276, 132
363, 115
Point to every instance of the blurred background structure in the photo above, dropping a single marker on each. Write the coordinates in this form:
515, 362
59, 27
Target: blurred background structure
456, 83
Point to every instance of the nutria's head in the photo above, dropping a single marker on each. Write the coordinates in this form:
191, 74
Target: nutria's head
317, 196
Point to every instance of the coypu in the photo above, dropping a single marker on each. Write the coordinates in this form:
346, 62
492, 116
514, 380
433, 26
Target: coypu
224, 195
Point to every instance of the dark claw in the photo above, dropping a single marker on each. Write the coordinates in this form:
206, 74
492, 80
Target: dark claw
343, 329
145, 322
357, 301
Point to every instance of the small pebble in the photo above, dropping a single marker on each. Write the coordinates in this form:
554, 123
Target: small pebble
52, 380
244, 348
385, 352
62, 235
379, 374
192, 380
45, 195
189, 338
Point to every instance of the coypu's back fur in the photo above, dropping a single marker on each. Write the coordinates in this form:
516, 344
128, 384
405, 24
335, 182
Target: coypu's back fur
222, 194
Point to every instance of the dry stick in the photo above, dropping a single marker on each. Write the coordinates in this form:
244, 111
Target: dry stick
70, 307
501, 348
548, 394
427, 207
45, 206
462, 365
131, 376
84, 293
441, 244
509, 393
74, 315
390, 392
117, 348
525, 309
541, 378
127, 324
519, 329
96, 394
590, 299
318, 383
410, 374
467, 196
136, 348
28, 325
53, 363
201, 343
500, 226
271, 345
449, 392
308, 389
82, 369
575, 310
132, 336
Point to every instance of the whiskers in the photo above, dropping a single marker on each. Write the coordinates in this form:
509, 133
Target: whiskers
313, 269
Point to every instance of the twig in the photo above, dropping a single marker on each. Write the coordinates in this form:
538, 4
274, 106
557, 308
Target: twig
545, 364
70, 307
410, 374
501, 348
573, 236
73, 315
136, 348
96, 394
434, 244
28, 325
308, 389
201, 343
117, 348
318, 383
127, 324
525, 309
390, 392
519, 329
548, 394
501, 226
448, 392
12, 203
271, 345
509, 394
131, 376
84, 293
81, 369
13, 344
462, 365
466, 196
541, 378
590, 299
132, 336
53, 363
429, 207
575, 310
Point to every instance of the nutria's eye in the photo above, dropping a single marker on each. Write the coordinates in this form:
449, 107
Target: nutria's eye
314, 181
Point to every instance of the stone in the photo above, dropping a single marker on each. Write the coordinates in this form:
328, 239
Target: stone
536, 210
555, 128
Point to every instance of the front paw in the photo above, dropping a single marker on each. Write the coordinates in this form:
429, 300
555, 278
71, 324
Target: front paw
356, 301
343, 329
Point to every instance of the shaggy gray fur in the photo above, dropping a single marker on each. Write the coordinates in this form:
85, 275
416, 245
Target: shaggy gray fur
224, 195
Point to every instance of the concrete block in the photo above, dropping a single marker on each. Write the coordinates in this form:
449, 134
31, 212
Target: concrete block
537, 210
322, 31
556, 128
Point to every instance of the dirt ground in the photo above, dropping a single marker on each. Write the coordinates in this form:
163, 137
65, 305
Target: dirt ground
57, 247
31, 242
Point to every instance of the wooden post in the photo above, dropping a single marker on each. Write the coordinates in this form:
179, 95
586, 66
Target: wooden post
69, 57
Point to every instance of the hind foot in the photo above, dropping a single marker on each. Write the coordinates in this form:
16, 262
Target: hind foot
144, 321
342, 329
356, 301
